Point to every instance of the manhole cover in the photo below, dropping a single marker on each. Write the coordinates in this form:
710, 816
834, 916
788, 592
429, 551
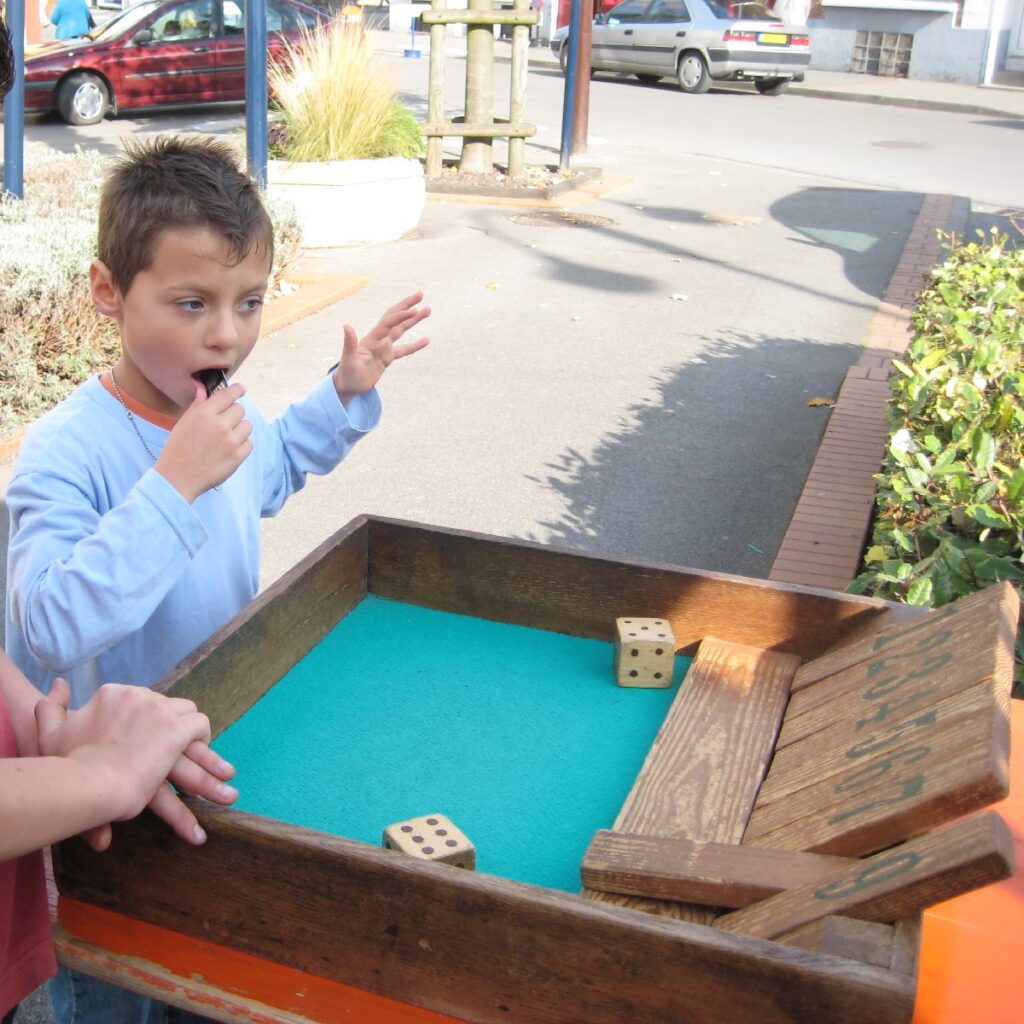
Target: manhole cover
559, 218
900, 144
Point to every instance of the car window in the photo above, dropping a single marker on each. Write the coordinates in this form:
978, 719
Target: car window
747, 10
631, 10
280, 18
125, 22
182, 22
667, 10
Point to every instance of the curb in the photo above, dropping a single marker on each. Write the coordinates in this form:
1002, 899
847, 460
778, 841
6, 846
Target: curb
823, 545
946, 106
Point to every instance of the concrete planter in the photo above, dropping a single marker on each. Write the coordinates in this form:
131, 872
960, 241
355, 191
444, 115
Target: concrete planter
351, 202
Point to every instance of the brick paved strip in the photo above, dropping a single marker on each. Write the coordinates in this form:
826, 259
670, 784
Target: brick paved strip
823, 544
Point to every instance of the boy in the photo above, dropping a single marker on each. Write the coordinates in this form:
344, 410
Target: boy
135, 504
119, 750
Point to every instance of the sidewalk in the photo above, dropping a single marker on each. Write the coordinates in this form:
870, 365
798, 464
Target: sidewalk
993, 101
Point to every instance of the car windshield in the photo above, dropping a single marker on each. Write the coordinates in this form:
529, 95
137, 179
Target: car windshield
741, 10
126, 21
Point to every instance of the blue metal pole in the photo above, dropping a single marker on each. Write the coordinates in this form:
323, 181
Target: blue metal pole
572, 40
14, 105
256, 88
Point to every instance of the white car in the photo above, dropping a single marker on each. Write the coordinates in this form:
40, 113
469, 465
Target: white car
696, 42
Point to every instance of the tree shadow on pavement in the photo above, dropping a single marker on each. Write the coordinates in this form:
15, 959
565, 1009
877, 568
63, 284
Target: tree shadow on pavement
706, 471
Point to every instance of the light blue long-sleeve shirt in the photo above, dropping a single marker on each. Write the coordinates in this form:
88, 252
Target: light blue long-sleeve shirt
112, 575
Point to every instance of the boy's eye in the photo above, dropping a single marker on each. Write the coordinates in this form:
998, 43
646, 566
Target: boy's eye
251, 304
191, 304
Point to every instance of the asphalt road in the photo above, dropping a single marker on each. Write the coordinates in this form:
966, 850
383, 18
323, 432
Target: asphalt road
634, 381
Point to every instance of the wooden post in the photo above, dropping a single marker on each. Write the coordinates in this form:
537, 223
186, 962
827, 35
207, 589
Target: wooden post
477, 151
517, 101
435, 94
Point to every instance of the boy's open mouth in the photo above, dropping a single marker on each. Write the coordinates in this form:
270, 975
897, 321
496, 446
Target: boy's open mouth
211, 379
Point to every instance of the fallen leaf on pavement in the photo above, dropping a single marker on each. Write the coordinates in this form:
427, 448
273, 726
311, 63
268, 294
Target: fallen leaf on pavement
826, 402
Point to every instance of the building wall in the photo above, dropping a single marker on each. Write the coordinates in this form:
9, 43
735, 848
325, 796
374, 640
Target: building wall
941, 52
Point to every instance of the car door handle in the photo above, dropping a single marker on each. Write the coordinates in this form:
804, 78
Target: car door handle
201, 49
628, 32
679, 35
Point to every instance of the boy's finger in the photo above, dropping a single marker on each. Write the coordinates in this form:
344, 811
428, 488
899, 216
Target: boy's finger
409, 300
350, 342
401, 351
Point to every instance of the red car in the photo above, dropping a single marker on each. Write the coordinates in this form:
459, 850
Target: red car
156, 53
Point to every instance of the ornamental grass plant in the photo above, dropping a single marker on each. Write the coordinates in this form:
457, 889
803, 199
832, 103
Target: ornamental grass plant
335, 102
51, 336
949, 514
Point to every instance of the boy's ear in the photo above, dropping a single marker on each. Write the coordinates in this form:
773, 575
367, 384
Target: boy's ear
106, 296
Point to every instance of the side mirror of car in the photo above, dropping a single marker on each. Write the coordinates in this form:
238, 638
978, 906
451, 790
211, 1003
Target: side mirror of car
600, 19
143, 36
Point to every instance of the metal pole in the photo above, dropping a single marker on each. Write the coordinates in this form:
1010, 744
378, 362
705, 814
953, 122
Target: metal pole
571, 73
14, 105
256, 89
581, 97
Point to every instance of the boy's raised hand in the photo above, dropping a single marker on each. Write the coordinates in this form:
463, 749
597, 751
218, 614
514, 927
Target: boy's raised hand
363, 362
208, 443
143, 739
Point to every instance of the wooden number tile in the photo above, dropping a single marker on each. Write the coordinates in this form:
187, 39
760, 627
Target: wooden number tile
960, 721
893, 884
712, 874
997, 603
901, 785
892, 685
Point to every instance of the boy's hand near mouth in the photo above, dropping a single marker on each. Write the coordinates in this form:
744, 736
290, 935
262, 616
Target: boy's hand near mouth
208, 443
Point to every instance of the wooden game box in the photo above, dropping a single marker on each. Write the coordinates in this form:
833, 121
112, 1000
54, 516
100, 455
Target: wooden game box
827, 725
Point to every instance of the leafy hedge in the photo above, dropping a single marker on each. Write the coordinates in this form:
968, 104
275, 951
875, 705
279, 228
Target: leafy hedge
950, 502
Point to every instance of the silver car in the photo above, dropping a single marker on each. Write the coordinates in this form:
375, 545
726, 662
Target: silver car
697, 42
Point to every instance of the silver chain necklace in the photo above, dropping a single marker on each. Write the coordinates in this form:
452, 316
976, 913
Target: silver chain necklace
131, 417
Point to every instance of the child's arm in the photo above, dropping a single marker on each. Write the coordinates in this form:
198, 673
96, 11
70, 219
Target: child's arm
363, 362
104, 763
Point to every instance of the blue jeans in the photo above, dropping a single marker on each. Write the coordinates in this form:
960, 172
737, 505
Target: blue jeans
80, 999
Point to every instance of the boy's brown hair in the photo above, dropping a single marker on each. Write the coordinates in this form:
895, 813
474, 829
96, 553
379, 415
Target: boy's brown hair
177, 183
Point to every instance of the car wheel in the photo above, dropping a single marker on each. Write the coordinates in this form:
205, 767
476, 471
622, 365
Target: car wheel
693, 73
563, 60
83, 99
770, 86
649, 79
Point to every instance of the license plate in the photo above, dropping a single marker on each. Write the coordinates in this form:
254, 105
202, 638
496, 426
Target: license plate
774, 38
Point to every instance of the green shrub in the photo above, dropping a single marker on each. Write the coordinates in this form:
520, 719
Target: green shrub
335, 103
51, 336
950, 502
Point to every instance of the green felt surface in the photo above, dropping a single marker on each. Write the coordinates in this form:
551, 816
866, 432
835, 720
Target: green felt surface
520, 736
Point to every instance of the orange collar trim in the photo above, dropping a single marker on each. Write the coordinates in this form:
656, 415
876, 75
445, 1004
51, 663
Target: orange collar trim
158, 419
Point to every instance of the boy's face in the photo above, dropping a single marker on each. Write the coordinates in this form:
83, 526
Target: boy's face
189, 311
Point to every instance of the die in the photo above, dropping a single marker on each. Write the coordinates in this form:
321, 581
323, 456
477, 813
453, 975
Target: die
432, 837
645, 651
